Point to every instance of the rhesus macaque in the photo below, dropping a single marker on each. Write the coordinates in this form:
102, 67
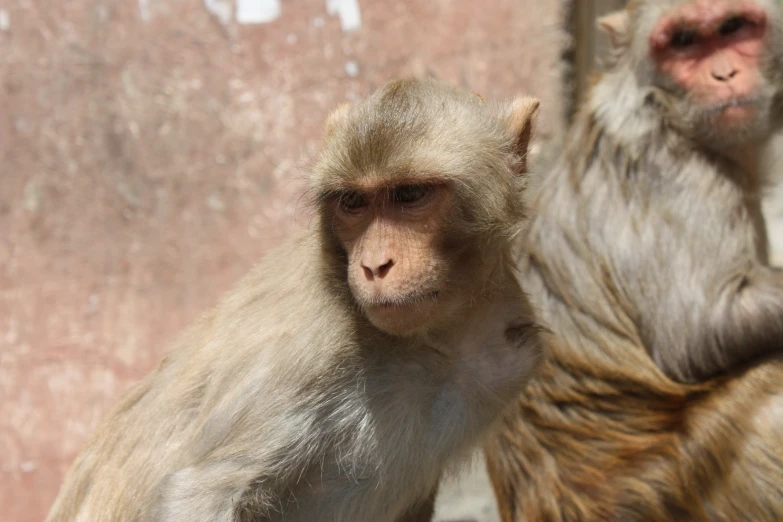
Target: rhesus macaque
646, 255
353, 366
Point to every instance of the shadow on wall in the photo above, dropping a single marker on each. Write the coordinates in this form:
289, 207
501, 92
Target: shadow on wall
151, 151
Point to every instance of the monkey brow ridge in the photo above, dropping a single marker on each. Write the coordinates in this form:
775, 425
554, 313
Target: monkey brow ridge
703, 20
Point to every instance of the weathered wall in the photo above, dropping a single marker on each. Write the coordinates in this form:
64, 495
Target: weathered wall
588, 47
152, 150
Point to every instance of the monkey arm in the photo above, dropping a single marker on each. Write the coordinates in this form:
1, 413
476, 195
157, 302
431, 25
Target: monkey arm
744, 324
241, 475
749, 321
184, 496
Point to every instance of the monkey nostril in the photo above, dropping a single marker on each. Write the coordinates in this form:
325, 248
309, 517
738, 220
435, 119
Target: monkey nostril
725, 76
384, 269
378, 271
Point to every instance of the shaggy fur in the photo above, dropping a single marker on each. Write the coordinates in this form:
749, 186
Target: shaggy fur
646, 256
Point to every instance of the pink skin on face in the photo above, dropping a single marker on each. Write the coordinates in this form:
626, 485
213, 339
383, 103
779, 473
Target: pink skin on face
714, 68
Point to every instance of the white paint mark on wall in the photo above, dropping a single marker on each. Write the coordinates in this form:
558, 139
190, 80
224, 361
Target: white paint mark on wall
221, 9
32, 196
102, 13
257, 11
5, 20
352, 68
348, 11
144, 9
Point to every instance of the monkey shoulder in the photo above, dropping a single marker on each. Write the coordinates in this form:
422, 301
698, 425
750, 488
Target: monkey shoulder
282, 305
256, 347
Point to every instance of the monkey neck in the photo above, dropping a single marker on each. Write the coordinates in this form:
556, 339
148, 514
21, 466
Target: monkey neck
747, 158
618, 106
494, 279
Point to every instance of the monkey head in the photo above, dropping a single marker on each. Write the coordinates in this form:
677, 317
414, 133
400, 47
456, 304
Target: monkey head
713, 66
402, 227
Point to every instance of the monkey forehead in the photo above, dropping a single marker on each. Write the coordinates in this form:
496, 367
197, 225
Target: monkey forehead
375, 156
702, 16
413, 129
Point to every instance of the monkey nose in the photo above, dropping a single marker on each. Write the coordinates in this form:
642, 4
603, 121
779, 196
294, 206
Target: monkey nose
724, 76
377, 270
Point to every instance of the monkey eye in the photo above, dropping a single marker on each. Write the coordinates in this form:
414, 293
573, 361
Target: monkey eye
352, 201
732, 25
407, 194
682, 39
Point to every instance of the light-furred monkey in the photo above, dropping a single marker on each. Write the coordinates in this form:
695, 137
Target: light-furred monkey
346, 372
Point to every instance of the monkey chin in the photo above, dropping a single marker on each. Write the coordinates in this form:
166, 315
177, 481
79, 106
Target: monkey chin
737, 120
402, 317
734, 122
737, 116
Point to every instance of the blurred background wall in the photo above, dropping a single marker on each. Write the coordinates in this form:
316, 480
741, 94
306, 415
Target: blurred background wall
152, 150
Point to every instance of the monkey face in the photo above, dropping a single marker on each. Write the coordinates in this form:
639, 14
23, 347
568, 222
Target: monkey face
418, 199
396, 264
714, 57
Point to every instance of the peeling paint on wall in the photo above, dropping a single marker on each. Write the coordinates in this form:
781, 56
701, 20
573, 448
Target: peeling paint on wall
144, 9
352, 68
5, 20
257, 11
348, 11
221, 9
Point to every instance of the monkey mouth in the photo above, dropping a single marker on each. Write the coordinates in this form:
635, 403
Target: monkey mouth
743, 103
401, 314
737, 102
735, 115
406, 300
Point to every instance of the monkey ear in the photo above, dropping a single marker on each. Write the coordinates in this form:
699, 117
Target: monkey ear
335, 117
520, 126
616, 25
